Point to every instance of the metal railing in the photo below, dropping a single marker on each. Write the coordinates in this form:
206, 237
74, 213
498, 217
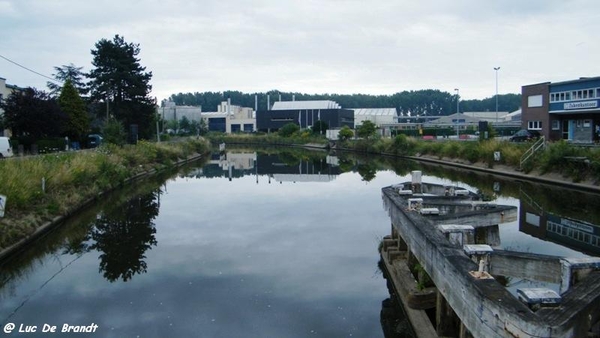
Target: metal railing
539, 144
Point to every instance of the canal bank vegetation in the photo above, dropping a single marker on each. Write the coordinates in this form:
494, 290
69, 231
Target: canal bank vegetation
571, 162
40, 188
287, 137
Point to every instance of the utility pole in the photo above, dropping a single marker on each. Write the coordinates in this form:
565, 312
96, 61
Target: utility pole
457, 111
496, 69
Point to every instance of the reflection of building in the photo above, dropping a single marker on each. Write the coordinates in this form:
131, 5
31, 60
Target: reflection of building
566, 110
243, 161
296, 170
304, 114
278, 167
231, 165
575, 234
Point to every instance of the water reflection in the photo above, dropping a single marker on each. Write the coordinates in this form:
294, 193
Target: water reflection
575, 233
567, 217
130, 211
292, 258
297, 165
123, 235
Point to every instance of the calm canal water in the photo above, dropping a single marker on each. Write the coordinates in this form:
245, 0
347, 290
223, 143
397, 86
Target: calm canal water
247, 244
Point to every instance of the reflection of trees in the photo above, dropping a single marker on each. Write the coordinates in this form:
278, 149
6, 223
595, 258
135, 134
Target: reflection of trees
123, 235
320, 165
366, 171
289, 159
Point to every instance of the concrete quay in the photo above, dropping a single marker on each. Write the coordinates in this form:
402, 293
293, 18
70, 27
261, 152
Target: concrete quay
466, 277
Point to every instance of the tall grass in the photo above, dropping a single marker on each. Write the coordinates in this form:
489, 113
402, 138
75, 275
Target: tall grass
554, 159
41, 187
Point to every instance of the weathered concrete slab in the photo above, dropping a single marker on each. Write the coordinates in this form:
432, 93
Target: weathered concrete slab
484, 306
539, 296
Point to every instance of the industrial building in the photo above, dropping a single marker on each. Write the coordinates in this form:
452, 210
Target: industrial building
230, 119
379, 116
227, 119
304, 114
566, 110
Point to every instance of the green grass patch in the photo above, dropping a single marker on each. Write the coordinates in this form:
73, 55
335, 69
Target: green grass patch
41, 187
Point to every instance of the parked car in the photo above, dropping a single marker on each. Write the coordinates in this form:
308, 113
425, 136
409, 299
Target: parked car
5, 149
525, 135
94, 140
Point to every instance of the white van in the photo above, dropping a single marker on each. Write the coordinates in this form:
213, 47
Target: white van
5, 150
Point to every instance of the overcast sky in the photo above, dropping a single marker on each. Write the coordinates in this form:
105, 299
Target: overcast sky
327, 46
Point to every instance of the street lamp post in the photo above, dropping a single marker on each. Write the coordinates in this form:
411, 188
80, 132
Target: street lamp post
496, 69
457, 111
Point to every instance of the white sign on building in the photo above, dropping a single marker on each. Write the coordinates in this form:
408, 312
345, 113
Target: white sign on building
581, 105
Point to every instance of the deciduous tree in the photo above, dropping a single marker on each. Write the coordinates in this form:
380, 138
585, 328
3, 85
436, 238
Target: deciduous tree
345, 133
33, 113
366, 129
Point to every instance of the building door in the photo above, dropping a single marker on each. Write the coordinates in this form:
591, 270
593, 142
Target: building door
567, 129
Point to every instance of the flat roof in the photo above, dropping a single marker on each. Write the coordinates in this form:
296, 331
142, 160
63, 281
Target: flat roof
375, 111
317, 104
213, 114
581, 79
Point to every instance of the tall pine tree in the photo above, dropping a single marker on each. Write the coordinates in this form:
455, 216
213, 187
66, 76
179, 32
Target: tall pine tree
119, 78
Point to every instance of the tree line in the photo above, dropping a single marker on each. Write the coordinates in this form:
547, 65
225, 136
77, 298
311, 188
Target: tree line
114, 95
429, 102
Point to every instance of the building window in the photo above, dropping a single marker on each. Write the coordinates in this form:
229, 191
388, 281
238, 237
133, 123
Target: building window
555, 125
534, 101
534, 125
587, 123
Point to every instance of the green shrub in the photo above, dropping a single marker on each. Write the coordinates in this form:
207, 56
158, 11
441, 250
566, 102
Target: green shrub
289, 130
402, 145
470, 151
553, 158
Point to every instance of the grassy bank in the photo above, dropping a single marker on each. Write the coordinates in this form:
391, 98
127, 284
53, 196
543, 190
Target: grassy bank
557, 157
267, 139
42, 187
